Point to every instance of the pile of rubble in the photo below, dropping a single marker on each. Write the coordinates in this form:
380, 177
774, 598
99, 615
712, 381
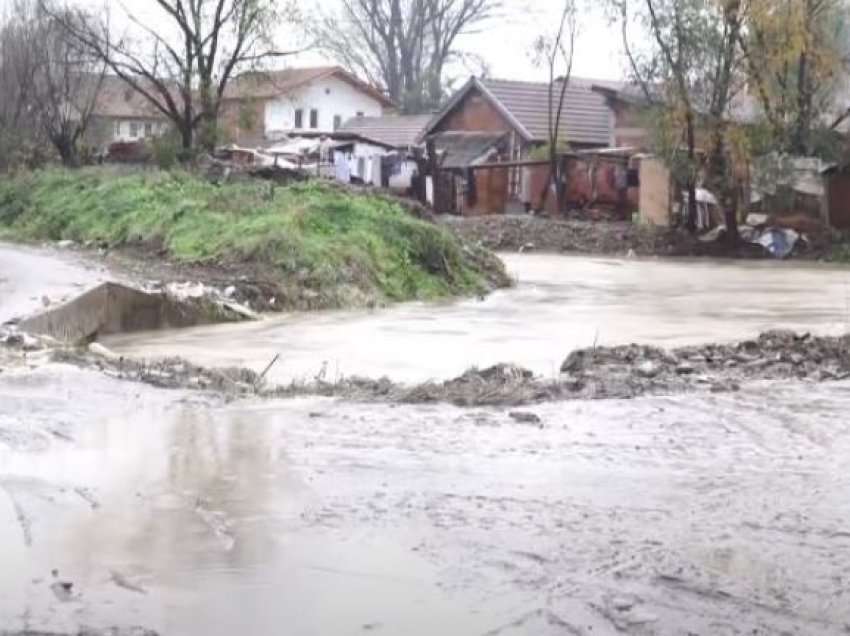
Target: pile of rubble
598, 373
522, 233
618, 238
634, 370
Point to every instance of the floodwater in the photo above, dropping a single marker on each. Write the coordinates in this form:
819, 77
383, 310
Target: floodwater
31, 278
180, 513
560, 303
187, 514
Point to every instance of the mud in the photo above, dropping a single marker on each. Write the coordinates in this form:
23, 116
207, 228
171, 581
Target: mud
708, 514
213, 512
586, 374
612, 238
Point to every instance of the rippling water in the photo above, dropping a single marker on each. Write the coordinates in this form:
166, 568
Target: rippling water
559, 304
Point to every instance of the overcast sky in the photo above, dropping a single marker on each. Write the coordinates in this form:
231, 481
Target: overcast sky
504, 44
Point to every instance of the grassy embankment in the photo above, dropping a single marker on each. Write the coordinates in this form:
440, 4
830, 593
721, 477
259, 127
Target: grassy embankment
331, 246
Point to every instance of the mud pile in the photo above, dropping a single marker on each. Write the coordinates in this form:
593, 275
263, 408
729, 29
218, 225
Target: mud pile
634, 370
588, 374
610, 238
521, 233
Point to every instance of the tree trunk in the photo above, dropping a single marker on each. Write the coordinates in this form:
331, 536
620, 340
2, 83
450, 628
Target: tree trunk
67, 150
804, 107
186, 141
691, 222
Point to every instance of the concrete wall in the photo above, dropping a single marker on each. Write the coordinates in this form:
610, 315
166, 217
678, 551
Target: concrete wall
331, 97
655, 193
111, 308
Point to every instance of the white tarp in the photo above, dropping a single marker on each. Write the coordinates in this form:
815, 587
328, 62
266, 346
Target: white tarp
802, 174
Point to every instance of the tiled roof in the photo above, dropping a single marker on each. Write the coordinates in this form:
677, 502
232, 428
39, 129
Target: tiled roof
268, 84
586, 117
398, 131
117, 99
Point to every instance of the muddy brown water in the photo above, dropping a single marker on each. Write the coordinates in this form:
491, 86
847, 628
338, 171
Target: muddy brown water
30, 276
704, 515
180, 512
560, 303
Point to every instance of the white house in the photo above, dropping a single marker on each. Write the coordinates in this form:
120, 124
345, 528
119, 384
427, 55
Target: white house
263, 107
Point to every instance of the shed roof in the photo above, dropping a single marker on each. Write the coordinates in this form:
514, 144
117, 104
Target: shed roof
398, 131
462, 149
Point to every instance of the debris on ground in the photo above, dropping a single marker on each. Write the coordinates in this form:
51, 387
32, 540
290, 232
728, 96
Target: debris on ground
620, 238
621, 372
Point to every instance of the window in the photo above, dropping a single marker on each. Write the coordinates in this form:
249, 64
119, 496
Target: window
337, 122
117, 128
134, 129
360, 113
299, 118
148, 129
314, 118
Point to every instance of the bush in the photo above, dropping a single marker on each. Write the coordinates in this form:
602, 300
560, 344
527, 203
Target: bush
165, 151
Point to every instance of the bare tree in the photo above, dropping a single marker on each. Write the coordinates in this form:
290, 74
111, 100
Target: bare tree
403, 46
49, 85
18, 59
184, 64
557, 52
66, 83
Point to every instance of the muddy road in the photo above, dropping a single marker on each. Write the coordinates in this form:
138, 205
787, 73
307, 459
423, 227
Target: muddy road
560, 304
714, 515
186, 513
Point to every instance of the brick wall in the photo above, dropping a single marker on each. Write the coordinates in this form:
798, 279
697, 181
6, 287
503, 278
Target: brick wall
474, 113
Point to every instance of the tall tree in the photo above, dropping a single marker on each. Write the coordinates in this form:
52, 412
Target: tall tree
183, 65
556, 52
67, 83
691, 74
796, 56
402, 46
18, 61
49, 84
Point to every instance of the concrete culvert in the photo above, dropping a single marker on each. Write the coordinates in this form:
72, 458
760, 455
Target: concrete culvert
112, 308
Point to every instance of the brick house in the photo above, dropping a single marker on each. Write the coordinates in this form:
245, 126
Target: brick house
122, 114
515, 115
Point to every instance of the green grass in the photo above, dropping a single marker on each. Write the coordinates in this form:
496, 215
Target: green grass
313, 233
